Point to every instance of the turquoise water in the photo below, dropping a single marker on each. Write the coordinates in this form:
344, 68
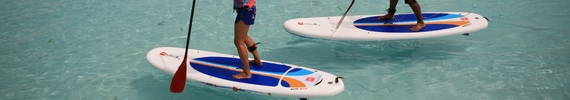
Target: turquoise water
95, 50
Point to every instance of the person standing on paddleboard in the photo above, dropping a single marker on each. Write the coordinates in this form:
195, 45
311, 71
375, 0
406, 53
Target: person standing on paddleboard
246, 11
415, 7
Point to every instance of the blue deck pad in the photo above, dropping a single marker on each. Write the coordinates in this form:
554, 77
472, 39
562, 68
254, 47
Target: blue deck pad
298, 72
267, 67
374, 25
398, 18
222, 67
293, 72
226, 74
406, 28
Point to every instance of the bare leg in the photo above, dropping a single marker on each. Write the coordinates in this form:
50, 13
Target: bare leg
393, 4
240, 37
417, 10
256, 60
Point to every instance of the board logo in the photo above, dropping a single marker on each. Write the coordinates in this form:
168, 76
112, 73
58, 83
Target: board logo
169, 55
303, 23
299, 88
466, 25
464, 19
310, 79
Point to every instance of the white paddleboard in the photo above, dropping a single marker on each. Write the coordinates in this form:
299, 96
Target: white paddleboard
368, 27
272, 78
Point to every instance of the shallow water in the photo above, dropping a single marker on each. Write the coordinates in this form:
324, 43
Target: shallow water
95, 49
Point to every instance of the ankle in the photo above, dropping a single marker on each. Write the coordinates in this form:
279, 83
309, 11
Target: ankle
391, 10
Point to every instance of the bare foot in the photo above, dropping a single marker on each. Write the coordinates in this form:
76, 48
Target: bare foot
242, 76
418, 26
256, 62
386, 17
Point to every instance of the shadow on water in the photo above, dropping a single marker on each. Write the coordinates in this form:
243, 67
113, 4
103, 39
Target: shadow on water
156, 87
320, 52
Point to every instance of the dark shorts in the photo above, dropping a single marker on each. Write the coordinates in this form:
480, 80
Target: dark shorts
410, 1
246, 15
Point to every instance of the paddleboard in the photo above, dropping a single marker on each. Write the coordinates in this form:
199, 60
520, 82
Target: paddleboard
272, 78
368, 27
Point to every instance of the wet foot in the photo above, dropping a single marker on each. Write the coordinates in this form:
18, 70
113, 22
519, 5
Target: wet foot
386, 17
242, 76
255, 62
418, 27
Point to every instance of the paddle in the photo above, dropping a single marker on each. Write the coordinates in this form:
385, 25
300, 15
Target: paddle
337, 25
179, 79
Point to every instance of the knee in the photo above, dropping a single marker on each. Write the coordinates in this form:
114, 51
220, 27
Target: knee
237, 42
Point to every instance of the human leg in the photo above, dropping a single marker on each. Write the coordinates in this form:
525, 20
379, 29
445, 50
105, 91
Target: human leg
244, 19
251, 44
240, 36
390, 10
418, 12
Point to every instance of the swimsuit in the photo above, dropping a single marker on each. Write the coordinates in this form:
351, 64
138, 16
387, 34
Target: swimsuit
245, 11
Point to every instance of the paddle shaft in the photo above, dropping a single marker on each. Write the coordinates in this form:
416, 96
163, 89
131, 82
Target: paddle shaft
337, 25
179, 78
